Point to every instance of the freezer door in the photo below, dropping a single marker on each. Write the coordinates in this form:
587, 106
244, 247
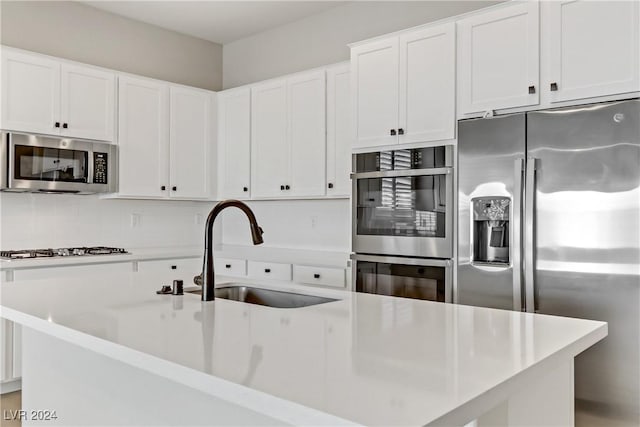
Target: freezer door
586, 238
490, 158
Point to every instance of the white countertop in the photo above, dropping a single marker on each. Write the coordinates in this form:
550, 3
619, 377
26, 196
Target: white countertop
255, 253
368, 359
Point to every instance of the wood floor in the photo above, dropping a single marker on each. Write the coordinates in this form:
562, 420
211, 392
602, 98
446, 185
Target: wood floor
13, 402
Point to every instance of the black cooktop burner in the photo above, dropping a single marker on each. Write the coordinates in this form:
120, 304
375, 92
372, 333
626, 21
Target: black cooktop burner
61, 252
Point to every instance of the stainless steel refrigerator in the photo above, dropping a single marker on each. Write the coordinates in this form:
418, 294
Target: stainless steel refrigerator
549, 222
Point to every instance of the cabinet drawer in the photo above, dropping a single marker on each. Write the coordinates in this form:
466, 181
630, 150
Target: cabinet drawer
168, 270
269, 270
230, 267
319, 275
71, 271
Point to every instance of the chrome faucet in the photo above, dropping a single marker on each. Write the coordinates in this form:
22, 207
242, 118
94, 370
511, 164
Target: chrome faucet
207, 278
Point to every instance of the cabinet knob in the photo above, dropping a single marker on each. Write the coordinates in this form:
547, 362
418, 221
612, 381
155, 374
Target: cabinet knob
554, 87
282, 188
64, 125
330, 185
532, 90
57, 124
164, 187
174, 188
286, 187
245, 189
227, 266
392, 132
316, 276
400, 131
267, 270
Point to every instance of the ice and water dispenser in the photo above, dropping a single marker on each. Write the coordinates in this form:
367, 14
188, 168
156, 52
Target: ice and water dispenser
490, 230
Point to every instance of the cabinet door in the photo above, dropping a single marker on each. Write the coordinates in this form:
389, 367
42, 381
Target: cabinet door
88, 103
593, 47
269, 148
30, 93
6, 349
499, 58
234, 139
427, 85
338, 132
306, 102
189, 143
374, 88
143, 137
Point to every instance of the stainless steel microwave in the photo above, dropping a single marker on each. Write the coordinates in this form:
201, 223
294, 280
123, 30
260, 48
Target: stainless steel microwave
47, 164
403, 202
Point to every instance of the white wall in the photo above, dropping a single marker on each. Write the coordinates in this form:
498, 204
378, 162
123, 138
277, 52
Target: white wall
300, 224
45, 220
322, 39
82, 33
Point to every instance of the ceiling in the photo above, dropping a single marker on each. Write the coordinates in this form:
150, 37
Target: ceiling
217, 21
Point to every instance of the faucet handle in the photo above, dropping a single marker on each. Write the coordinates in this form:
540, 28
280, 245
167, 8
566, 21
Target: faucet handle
198, 280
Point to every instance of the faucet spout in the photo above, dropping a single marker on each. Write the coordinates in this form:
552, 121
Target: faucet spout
207, 277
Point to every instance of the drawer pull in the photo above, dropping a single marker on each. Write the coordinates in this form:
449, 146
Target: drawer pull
174, 267
316, 276
227, 266
267, 270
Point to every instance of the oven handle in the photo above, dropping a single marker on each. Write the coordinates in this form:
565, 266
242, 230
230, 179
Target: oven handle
402, 172
426, 262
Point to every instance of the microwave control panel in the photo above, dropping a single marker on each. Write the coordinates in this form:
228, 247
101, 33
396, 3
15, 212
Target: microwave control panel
100, 167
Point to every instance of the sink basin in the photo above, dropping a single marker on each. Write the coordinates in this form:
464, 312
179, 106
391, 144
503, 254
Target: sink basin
266, 297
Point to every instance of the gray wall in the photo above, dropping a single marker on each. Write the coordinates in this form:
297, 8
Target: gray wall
322, 38
82, 33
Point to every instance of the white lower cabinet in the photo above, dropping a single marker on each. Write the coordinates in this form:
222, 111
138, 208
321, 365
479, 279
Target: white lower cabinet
71, 271
230, 267
269, 270
324, 276
168, 270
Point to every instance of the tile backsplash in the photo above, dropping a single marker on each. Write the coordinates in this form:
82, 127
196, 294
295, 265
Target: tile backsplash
50, 220
46, 220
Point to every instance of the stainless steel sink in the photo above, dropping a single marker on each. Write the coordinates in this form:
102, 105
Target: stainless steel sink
266, 297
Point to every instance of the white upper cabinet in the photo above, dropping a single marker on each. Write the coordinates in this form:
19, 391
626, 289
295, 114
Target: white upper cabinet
593, 48
143, 137
338, 131
403, 88
427, 84
306, 116
30, 93
499, 58
88, 103
189, 143
234, 143
269, 147
374, 86
57, 98
164, 139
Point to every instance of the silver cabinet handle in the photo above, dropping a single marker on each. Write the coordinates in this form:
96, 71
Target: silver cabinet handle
529, 266
516, 234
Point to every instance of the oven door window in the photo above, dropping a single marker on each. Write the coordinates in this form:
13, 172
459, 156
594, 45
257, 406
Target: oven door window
50, 164
412, 206
398, 280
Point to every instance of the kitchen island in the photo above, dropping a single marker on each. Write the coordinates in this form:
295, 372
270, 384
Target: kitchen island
110, 351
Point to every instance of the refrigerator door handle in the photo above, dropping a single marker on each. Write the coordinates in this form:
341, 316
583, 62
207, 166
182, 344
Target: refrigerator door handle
529, 202
516, 234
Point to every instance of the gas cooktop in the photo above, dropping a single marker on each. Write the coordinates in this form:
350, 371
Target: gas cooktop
61, 252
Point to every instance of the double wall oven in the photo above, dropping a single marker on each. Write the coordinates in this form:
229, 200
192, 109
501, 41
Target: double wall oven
403, 222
